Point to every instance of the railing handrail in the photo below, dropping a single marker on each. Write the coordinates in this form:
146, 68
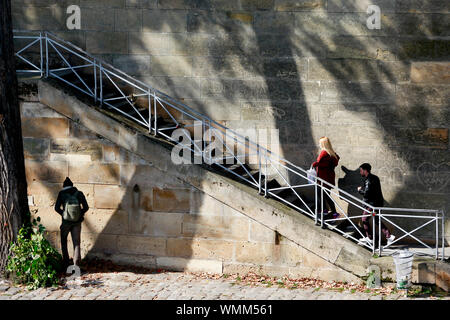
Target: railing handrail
263, 152
154, 90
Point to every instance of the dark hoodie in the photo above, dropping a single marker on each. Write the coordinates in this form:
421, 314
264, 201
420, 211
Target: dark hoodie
62, 199
372, 191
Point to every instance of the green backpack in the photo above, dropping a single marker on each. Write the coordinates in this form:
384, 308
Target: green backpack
72, 208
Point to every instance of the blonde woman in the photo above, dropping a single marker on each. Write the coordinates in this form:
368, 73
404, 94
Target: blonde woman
325, 164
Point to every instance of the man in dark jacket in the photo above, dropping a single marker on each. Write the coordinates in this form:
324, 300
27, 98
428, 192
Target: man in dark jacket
372, 194
74, 227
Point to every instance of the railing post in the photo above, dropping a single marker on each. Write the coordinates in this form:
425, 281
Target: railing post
41, 54
46, 55
101, 82
373, 232
379, 232
155, 113
321, 205
259, 170
149, 111
437, 235
443, 235
316, 204
265, 172
95, 81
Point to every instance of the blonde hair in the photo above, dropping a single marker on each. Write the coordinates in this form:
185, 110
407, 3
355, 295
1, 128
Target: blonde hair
325, 144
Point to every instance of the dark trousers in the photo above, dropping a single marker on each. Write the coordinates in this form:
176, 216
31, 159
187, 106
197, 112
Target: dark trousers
326, 200
75, 232
366, 225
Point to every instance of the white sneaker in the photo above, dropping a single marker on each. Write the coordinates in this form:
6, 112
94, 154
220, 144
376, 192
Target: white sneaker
390, 239
365, 240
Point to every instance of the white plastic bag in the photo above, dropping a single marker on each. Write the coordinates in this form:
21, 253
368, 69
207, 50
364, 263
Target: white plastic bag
312, 174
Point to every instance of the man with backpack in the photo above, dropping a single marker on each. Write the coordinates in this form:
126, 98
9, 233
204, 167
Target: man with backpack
71, 204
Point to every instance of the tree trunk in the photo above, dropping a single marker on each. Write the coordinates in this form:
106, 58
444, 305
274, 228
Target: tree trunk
13, 185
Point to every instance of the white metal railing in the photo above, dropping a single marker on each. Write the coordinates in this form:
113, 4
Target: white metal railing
92, 75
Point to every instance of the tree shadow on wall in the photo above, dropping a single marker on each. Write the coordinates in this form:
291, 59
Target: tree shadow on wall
317, 78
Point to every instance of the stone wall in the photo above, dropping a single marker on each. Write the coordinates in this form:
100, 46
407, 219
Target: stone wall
144, 216
307, 68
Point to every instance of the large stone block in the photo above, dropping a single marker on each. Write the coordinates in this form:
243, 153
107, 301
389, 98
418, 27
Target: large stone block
147, 176
257, 4
37, 110
106, 221
171, 66
155, 224
192, 265
96, 243
102, 3
107, 42
419, 95
35, 148
164, 21
423, 49
177, 4
133, 64
94, 173
171, 200
141, 245
359, 5
45, 127
148, 43
36, 18
274, 22
203, 204
50, 219
219, 23
44, 194
236, 45
80, 132
188, 44
422, 6
228, 66
215, 227
97, 19
255, 253
145, 4
300, 5
418, 137
366, 47
284, 68
108, 197
200, 249
272, 89
418, 25
361, 93
93, 148
128, 20
430, 72
260, 233
49, 171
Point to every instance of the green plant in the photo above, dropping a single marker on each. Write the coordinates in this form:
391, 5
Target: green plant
32, 260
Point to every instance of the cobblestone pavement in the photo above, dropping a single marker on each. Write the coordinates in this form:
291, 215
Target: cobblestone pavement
176, 286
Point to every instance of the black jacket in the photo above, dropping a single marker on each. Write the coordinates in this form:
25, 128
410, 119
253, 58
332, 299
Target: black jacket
62, 198
371, 191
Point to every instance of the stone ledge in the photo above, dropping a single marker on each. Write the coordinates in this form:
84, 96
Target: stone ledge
194, 265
